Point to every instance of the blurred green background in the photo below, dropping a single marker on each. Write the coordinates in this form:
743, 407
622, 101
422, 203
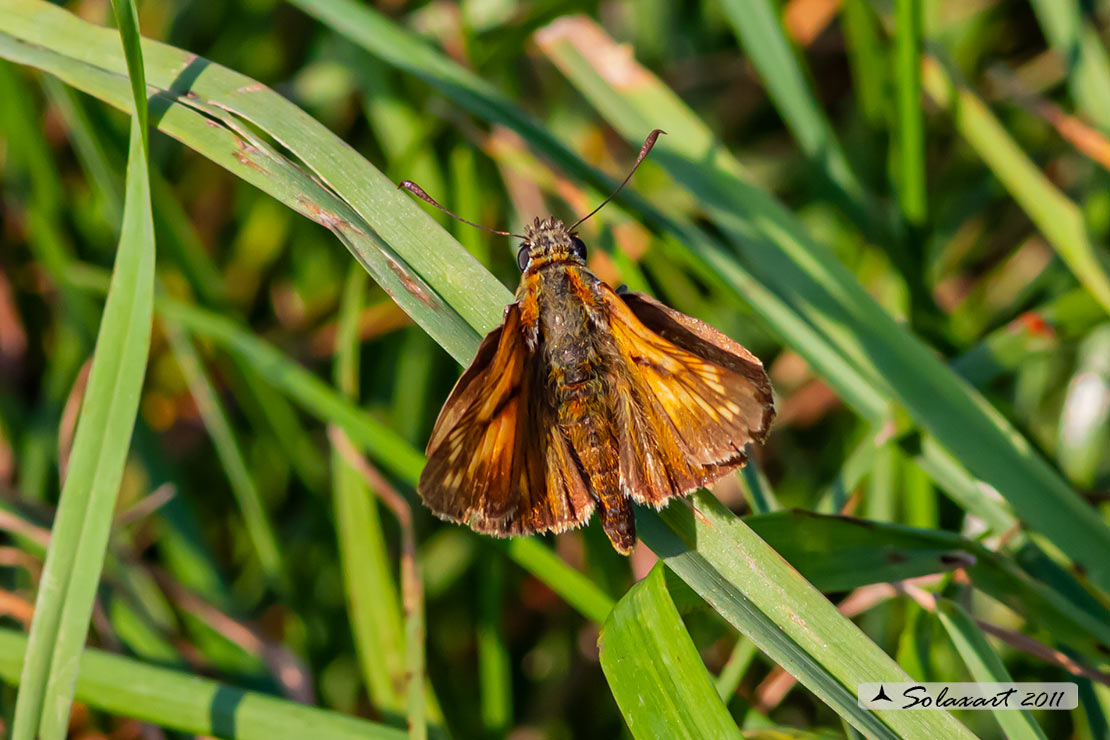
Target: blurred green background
948, 159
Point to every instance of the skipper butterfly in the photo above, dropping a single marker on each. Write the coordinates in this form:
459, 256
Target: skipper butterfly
588, 398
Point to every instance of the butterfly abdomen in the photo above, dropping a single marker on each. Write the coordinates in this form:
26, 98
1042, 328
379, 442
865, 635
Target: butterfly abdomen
584, 421
576, 381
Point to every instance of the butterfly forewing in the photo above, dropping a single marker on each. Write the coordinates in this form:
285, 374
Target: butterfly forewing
496, 460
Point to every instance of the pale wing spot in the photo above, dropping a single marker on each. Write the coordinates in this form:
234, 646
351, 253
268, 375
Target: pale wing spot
665, 395
705, 405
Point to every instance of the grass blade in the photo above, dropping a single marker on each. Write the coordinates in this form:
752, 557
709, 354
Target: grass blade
191, 704
867, 59
372, 603
752, 587
911, 127
412, 585
654, 670
494, 660
985, 665
103, 436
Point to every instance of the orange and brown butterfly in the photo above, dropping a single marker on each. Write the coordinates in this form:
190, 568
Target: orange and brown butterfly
588, 398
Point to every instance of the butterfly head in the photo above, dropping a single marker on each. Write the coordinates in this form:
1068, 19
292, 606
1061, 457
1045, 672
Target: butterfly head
549, 240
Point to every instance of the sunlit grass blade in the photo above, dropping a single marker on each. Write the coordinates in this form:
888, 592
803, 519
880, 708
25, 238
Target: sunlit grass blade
654, 670
84, 518
786, 259
191, 704
985, 666
751, 586
1059, 218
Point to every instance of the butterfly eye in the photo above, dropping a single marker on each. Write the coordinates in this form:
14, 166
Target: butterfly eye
579, 247
523, 257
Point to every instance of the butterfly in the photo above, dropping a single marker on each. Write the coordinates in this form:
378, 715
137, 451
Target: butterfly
588, 398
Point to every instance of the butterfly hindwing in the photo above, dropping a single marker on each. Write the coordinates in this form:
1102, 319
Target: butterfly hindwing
496, 459
688, 397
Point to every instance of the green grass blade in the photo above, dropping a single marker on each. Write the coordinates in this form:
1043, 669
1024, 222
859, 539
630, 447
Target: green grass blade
190, 704
83, 522
574, 587
1060, 219
867, 60
760, 496
372, 602
752, 587
494, 661
728, 681
911, 126
654, 670
985, 666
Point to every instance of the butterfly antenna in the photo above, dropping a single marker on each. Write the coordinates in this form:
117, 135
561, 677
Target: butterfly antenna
649, 142
418, 191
